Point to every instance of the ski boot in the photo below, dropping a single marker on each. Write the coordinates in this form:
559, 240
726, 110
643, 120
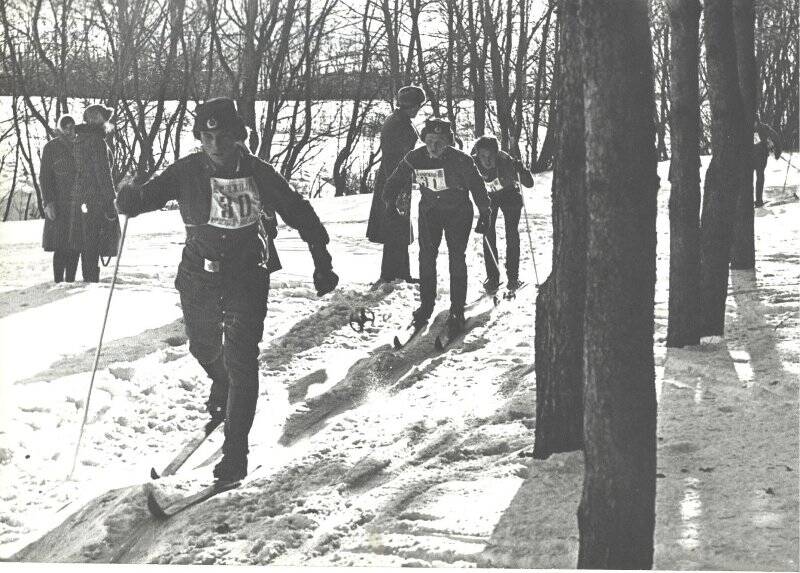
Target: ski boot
513, 284
230, 469
455, 323
420, 317
491, 285
217, 412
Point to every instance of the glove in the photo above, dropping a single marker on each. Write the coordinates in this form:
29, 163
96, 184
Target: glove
325, 280
128, 199
50, 211
484, 219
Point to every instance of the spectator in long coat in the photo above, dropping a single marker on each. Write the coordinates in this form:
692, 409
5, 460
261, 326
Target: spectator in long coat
94, 225
57, 180
398, 137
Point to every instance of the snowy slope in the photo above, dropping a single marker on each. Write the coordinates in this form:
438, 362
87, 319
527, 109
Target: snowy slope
363, 456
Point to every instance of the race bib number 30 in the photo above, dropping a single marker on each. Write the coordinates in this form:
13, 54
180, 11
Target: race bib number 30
433, 179
234, 203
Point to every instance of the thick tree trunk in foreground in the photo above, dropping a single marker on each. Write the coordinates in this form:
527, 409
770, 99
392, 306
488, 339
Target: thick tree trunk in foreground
616, 517
730, 162
560, 302
684, 199
743, 251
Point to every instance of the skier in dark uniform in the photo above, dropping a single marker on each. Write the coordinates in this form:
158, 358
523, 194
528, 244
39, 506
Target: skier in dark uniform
398, 137
446, 177
764, 139
57, 180
223, 277
500, 171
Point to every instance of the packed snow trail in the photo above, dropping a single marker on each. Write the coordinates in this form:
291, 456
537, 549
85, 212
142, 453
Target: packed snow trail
362, 455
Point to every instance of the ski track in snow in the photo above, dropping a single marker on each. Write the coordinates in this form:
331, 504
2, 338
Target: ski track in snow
364, 456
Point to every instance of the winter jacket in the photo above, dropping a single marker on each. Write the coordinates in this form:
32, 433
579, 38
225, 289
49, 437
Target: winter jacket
503, 177
94, 224
762, 135
446, 180
57, 179
221, 213
398, 137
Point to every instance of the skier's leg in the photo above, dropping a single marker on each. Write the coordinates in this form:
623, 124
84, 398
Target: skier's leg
490, 256
59, 265
459, 224
90, 265
759, 185
511, 214
202, 317
245, 307
71, 265
430, 237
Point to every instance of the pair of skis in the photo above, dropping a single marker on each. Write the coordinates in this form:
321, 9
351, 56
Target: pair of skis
444, 339
160, 511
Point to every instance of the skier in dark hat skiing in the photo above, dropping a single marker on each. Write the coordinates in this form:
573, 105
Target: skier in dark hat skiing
398, 137
765, 139
446, 177
223, 277
500, 171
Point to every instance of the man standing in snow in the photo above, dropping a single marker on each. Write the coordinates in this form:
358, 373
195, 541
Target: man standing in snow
398, 137
500, 171
446, 177
764, 139
94, 226
223, 277
57, 179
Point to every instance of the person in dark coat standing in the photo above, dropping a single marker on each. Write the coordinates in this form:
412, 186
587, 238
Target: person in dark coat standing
764, 139
94, 225
500, 172
446, 177
223, 276
57, 180
398, 137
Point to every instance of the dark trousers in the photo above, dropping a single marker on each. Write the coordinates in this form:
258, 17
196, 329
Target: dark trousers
65, 265
395, 263
454, 222
224, 316
90, 266
760, 163
510, 203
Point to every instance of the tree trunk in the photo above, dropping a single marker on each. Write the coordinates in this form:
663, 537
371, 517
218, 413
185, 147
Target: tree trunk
684, 199
560, 303
616, 517
730, 161
743, 251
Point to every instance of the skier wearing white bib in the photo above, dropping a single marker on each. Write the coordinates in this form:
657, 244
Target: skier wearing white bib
500, 171
446, 177
223, 277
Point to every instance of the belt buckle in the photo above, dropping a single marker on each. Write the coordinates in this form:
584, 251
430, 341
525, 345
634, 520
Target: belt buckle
211, 266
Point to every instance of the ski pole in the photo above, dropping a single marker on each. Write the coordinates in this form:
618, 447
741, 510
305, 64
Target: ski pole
491, 253
789, 161
99, 348
786, 178
528, 230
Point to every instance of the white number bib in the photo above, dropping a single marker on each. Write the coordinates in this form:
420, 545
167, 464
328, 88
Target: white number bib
494, 185
234, 203
756, 138
433, 179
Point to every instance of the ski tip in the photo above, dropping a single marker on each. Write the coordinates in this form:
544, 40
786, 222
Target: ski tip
397, 344
153, 506
438, 344
154, 474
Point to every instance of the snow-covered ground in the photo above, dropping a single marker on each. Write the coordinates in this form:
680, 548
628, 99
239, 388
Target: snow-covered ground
364, 456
